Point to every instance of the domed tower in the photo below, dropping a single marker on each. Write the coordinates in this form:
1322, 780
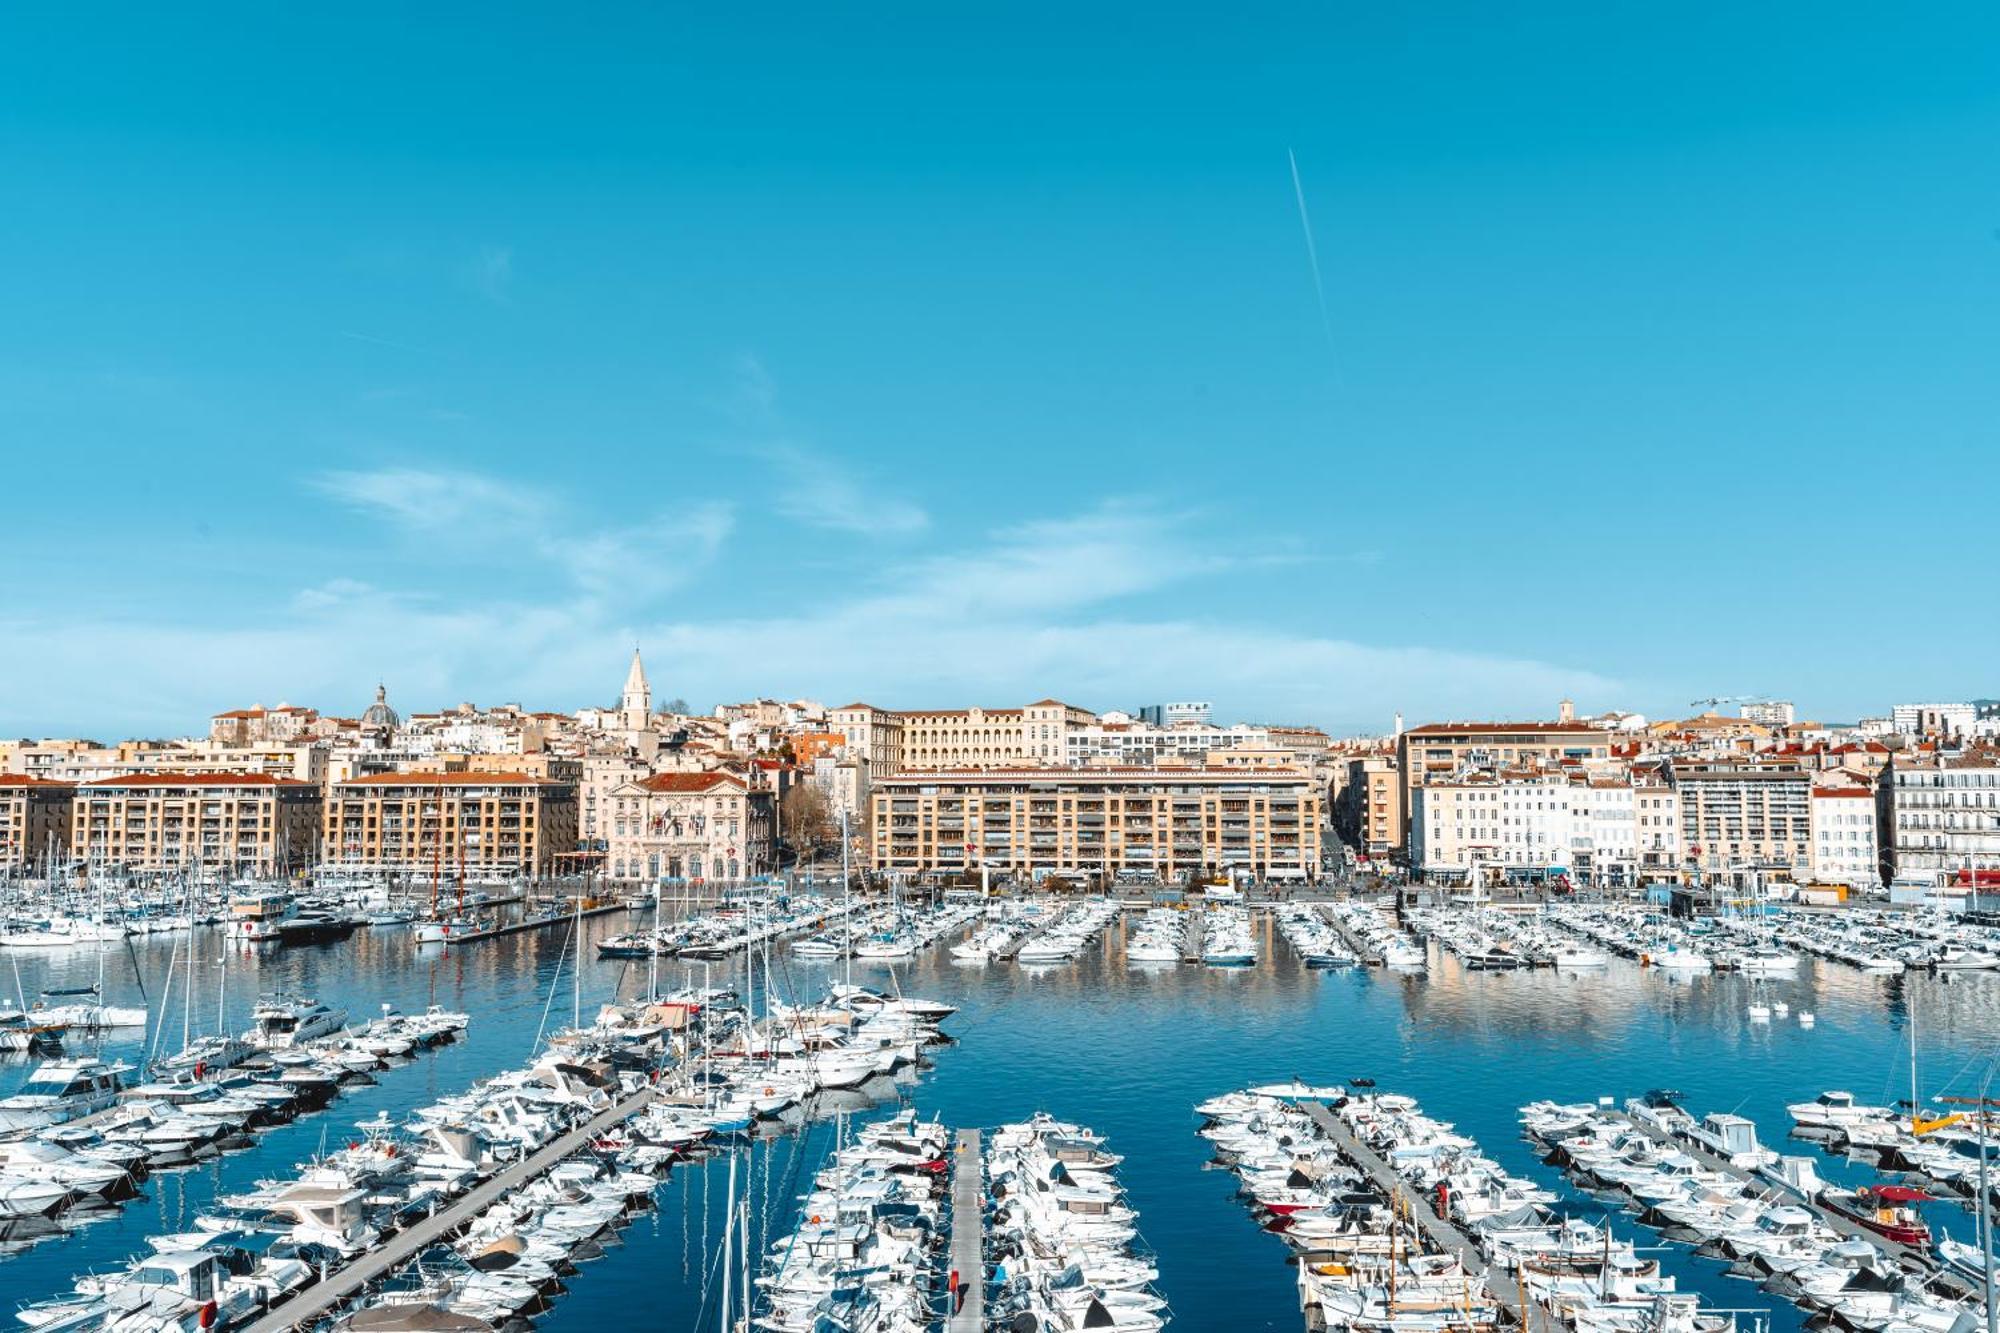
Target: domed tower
379, 716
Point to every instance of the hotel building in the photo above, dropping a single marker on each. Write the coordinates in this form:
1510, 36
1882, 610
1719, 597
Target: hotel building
487, 824
1741, 818
1165, 822
237, 823
941, 738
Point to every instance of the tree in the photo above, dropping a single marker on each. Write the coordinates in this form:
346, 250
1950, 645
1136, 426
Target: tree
678, 707
806, 819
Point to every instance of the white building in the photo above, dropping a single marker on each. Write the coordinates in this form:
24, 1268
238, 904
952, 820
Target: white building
1769, 712
1934, 719
1843, 837
1940, 819
1140, 745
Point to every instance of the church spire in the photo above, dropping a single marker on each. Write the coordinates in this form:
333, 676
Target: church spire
636, 706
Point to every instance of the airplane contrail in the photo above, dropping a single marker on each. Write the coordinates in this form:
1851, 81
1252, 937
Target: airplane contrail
1312, 251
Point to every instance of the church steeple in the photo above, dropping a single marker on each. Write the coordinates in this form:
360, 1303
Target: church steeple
636, 707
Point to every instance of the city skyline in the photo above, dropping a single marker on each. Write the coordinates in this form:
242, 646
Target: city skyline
979, 367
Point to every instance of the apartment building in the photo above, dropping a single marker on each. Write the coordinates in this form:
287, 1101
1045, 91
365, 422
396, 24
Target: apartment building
1937, 818
688, 826
1086, 822
1737, 817
1443, 750
1656, 829
874, 736
1843, 837
231, 823
34, 820
1525, 826
1142, 745
1369, 811
489, 825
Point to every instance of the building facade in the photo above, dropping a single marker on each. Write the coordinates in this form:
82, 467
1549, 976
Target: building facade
485, 825
1162, 822
34, 821
1740, 818
228, 823
1843, 837
1443, 750
688, 826
1937, 819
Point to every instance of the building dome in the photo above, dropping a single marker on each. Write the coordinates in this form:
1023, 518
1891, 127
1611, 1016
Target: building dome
379, 714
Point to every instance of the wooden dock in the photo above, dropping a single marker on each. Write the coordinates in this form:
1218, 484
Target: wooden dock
1442, 1234
535, 923
968, 1239
1196, 931
314, 1302
1910, 1258
1348, 937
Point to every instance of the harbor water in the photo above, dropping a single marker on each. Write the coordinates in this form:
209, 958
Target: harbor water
1126, 1049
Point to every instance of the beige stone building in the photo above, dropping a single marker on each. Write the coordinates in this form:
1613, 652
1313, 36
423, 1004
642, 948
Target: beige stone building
1098, 822
490, 824
1370, 805
688, 826
1738, 818
34, 820
1441, 750
947, 738
240, 823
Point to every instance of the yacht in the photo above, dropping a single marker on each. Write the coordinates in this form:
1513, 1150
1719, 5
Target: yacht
287, 1021
60, 1091
257, 916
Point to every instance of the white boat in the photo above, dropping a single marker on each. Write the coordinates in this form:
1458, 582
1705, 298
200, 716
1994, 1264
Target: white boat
60, 1091
286, 1021
442, 930
257, 916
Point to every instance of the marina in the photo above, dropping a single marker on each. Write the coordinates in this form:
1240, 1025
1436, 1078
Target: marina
1459, 1038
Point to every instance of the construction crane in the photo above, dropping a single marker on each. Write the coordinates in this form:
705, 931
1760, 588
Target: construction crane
1728, 699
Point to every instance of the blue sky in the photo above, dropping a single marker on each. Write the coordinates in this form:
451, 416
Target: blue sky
946, 354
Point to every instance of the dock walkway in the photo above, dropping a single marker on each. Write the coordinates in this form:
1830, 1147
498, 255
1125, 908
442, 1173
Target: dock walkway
968, 1227
1442, 1234
535, 923
1362, 949
1197, 930
1905, 1255
314, 1302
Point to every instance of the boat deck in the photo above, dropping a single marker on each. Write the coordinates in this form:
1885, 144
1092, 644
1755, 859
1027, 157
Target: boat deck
968, 1226
309, 1305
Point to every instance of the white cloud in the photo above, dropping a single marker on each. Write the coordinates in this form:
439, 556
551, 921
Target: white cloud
499, 519
823, 493
1045, 606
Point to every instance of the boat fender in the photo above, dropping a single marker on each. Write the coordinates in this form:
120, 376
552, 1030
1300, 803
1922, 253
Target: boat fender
208, 1313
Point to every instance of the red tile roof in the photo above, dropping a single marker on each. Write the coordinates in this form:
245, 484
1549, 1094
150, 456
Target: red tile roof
688, 782
475, 779
164, 779
23, 780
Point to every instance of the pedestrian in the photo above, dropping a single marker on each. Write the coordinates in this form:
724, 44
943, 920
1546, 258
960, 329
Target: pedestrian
957, 1297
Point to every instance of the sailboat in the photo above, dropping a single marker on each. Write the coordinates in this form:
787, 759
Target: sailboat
436, 929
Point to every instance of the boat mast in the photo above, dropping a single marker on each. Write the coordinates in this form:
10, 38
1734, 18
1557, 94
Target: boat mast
846, 899
728, 1243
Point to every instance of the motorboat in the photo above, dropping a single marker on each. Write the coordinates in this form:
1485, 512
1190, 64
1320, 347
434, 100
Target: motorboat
284, 1022
60, 1091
